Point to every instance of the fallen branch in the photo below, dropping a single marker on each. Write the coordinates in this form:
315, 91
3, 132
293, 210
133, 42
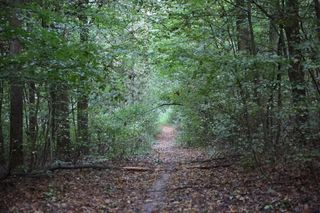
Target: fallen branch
137, 169
48, 172
208, 166
71, 167
194, 187
230, 157
38, 174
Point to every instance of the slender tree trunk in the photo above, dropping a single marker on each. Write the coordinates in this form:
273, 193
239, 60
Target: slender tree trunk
52, 121
82, 104
49, 129
16, 101
2, 152
253, 52
246, 44
317, 10
82, 124
58, 132
33, 122
252, 44
281, 52
295, 72
316, 76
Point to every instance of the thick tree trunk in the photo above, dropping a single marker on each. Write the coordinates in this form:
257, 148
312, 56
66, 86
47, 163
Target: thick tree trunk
243, 32
62, 123
295, 72
16, 102
16, 125
59, 125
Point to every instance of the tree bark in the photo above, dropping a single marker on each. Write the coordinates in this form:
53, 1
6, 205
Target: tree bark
295, 72
317, 10
82, 104
274, 29
243, 32
2, 150
316, 75
62, 122
252, 44
16, 99
33, 122
82, 124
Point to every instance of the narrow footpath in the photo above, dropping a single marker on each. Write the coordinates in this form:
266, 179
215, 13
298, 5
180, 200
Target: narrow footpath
170, 179
169, 156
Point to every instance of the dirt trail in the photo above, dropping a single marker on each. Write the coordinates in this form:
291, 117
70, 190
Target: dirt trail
179, 180
168, 152
164, 149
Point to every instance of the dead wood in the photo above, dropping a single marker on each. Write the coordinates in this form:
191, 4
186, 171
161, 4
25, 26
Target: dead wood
137, 169
208, 166
193, 187
48, 173
225, 158
72, 167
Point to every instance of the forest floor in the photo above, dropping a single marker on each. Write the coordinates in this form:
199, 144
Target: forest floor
171, 179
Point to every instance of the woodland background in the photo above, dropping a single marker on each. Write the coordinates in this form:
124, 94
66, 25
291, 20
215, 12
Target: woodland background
90, 79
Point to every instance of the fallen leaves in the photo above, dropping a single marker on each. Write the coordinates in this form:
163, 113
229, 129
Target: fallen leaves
172, 180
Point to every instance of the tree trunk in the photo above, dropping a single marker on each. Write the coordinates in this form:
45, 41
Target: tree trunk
274, 35
243, 32
2, 152
33, 122
16, 101
62, 122
82, 125
252, 44
82, 104
316, 76
317, 10
295, 72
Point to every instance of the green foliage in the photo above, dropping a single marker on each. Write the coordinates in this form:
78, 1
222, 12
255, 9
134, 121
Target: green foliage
165, 117
125, 131
232, 102
141, 64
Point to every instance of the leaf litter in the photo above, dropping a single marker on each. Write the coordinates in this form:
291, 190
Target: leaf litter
179, 180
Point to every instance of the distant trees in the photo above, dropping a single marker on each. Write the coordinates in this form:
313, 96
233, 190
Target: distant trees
81, 75
259, 99
61, 80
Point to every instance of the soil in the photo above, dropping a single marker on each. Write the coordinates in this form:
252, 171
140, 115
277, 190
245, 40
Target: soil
177, 180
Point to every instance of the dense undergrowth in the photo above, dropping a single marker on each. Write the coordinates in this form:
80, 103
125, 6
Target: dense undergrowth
98, 78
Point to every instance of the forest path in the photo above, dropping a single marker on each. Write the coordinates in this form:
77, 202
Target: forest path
172, 179
163, 148
168, 156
